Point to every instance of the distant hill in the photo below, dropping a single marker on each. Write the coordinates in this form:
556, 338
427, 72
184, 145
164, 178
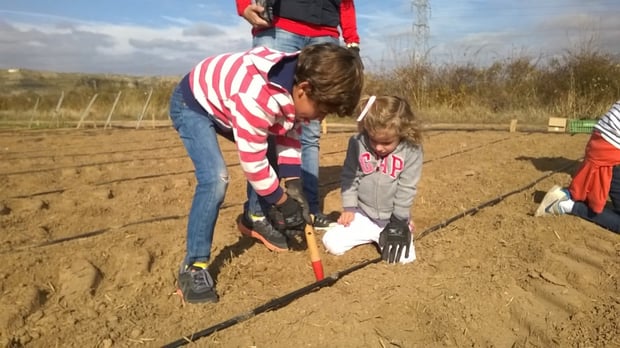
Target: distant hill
18, 81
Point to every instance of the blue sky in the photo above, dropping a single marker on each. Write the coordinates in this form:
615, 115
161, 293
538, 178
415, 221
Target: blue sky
167, 37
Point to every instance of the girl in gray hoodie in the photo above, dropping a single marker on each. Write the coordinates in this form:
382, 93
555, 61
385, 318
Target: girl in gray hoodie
382, 167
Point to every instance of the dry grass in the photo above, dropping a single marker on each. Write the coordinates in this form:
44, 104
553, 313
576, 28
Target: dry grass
580, 84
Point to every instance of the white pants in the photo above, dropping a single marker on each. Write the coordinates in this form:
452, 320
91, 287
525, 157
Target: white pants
362, 230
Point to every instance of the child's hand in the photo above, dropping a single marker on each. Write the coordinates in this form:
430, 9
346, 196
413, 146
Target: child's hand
346, 218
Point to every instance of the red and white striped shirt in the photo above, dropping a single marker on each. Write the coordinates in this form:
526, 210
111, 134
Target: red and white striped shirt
234, 87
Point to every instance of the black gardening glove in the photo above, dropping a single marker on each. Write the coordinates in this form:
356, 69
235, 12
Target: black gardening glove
395, 238
287, 216
295, 190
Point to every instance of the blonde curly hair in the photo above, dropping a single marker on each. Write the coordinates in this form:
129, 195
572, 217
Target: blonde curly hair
390, 112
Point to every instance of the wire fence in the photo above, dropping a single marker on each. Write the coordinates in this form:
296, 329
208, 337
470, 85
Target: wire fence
129, 108
123, 108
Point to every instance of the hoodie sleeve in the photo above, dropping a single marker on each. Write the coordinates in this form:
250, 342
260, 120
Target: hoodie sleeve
250, 123
350, 176
407, 183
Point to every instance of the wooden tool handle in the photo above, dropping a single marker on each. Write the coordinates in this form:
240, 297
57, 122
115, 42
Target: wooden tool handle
315, 257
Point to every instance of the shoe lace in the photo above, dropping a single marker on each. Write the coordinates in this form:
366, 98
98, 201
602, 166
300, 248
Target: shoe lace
200, 278
265, 228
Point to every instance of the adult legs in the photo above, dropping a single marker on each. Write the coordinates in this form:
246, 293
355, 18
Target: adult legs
310, 148
282, 40
310, 135
287, 42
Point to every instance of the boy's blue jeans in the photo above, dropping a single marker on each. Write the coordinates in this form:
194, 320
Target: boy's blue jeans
609, 218
199, 135
285, 41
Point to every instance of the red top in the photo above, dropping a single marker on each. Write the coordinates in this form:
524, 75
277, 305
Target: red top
592, 181
348, 23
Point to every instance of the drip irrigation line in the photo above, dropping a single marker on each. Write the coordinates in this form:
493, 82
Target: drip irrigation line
91, 165
142, 177
491, 202
330, 183
93, 154
152, 176
76, 145
284, 300
107, 229
38, 194
103, 230
469, 149
273, 304
94, 233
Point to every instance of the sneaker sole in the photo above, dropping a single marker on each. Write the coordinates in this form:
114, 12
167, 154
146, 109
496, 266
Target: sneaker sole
553, 195
324, 228
248, 232
202, 300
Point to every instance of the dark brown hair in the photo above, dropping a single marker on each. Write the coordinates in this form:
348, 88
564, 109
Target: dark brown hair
335, 75
391, 112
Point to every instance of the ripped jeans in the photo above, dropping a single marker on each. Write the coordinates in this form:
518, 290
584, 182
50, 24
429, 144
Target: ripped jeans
199, 135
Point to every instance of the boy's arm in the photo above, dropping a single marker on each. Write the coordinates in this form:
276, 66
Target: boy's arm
348, 22
407, 184
250, 124
288, 149
349, 176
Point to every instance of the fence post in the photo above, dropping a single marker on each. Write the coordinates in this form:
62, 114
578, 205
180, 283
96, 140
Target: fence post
57, 110
34, 111
148, 99
513, 125
107, 122
92, 100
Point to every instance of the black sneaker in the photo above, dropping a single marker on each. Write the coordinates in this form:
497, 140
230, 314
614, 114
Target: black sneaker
196, 283
323, 222
262, 230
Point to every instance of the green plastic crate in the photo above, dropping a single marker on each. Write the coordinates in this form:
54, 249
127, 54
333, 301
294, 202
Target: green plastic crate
581, 126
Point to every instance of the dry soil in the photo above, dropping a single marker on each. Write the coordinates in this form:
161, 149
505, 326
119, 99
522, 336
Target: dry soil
93, 231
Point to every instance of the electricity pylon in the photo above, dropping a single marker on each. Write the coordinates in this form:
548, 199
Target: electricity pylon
421, 30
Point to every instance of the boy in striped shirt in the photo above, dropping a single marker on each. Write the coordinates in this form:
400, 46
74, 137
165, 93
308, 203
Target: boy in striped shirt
257, 99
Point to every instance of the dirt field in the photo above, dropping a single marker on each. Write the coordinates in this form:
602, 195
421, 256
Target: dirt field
93, 231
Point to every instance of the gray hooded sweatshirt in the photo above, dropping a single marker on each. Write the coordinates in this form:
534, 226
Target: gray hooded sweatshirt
381, 187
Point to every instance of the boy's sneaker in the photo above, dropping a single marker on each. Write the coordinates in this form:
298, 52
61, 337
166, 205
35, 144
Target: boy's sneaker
262, 230
196, 283
322, 221
550, 204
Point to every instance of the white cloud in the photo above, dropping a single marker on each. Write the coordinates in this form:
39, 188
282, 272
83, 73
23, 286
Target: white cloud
101, 47
170, 43
178, 20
